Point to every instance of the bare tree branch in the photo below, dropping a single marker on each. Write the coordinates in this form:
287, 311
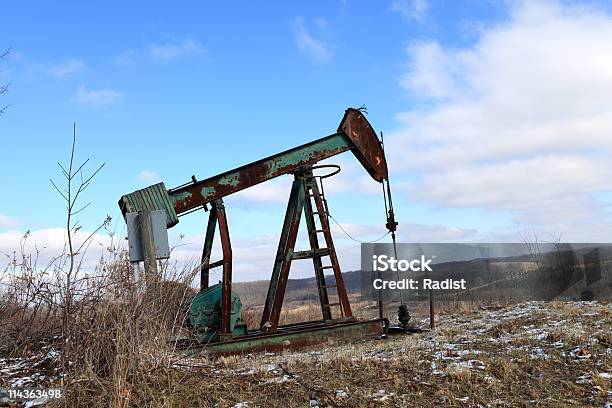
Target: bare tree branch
70, 282
4, 88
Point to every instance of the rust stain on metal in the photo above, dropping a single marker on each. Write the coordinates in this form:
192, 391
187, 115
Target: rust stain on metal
293, 337
226, 293
368, 149
354, 133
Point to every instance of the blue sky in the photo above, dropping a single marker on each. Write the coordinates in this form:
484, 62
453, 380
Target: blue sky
473, 97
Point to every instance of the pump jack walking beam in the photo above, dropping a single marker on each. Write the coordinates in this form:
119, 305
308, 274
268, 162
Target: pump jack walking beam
354, 134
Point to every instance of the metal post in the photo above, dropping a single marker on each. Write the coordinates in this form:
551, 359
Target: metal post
381, 309
432, 324
280, 273
148, 248
206, 251
286, 265
226, 247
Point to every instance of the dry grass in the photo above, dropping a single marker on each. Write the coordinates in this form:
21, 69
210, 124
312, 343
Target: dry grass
118, 351
119, 332
107, 337
524, 365
465, 367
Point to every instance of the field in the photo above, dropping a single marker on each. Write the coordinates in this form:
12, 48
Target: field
540, 354
108, 339
529, 354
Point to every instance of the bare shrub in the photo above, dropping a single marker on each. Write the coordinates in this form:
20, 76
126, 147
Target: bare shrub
106, 330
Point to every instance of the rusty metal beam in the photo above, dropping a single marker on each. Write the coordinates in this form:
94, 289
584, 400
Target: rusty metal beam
206, 251
354, 133
226, 248
290, 337
368, 149
204, 191
284, 256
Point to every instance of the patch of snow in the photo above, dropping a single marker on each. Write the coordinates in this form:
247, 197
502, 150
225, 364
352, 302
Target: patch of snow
34, 403
538, 352
273, 368
607, 376
439, 373
584, 379
381, 395
20, 382
580, 353
341, 394
251, 371
278, 380
473, 364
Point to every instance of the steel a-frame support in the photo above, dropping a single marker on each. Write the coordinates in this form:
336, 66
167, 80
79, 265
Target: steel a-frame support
217, 216
303, 190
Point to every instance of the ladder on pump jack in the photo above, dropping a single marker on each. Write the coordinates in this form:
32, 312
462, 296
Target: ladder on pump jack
322, 211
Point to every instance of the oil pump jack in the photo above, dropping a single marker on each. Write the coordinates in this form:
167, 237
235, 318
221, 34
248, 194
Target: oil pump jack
215, 312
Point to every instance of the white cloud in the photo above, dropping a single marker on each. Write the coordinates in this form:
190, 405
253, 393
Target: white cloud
162, 52
171, 50
407, 232
541, 179
8, 222
59, 68
411, 9
148, 177
431, 71
96, 97
47, 244
127, 58
308, 44
273, 191
66, 67
416, 232
519, 121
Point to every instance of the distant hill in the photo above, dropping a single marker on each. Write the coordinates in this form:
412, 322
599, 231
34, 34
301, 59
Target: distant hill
254, 293
553, 276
